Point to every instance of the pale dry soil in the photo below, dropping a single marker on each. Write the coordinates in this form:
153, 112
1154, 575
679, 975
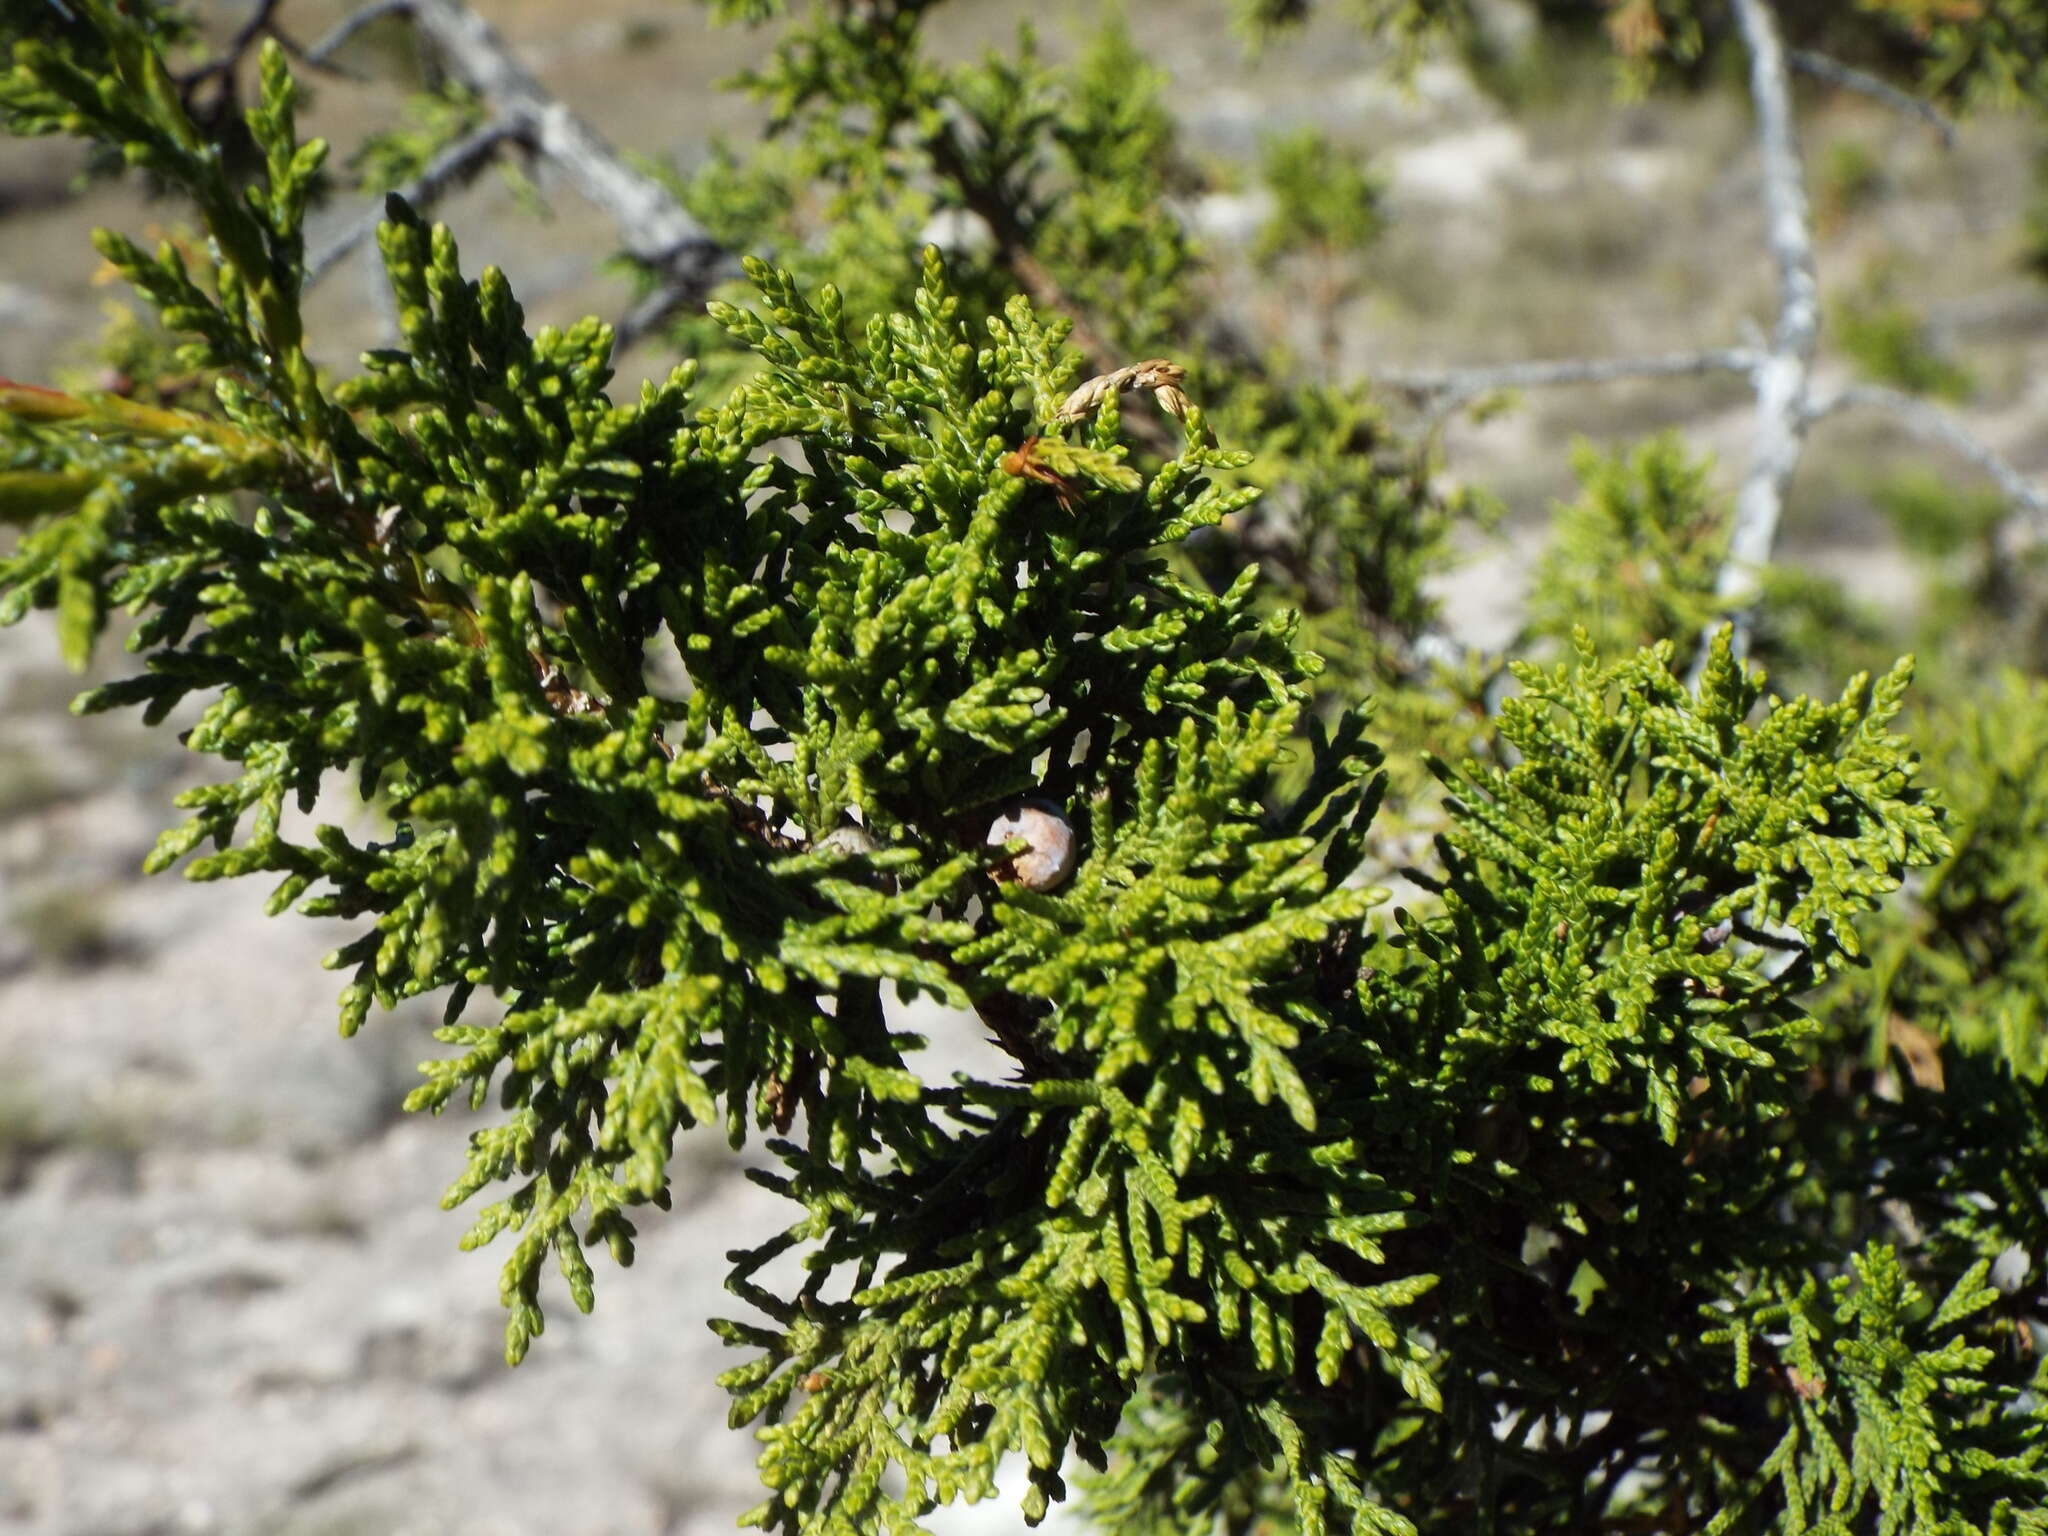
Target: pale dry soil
229, 1301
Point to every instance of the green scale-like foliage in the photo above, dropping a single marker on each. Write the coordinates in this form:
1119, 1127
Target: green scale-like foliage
1893, 1422
1283, 1212
1634, 559
1063, 172
1964, 974
1168, 1183
1581, 1069
1062, 184
1973, 966
1666, 847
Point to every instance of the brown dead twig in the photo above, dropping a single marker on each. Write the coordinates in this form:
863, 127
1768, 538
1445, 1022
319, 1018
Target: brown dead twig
1024, 461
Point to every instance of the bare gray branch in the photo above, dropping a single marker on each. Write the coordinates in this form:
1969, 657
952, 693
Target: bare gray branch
324, 50
1928, 421
1850, 78
1781, 376
451, 167
1464, 383
653, 226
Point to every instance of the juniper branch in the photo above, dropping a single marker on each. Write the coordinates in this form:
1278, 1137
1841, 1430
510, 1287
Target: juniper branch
1013, 247
1270, 1170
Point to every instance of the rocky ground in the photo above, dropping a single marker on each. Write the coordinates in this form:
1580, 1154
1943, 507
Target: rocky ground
229, 1300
